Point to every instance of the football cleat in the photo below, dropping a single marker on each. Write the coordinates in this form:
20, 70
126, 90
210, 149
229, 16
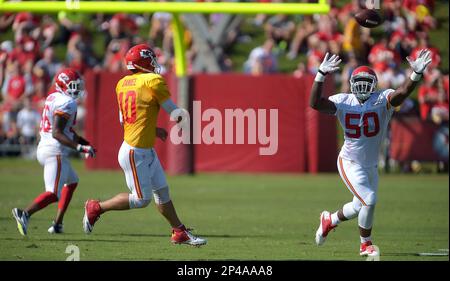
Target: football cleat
367, 249
21, 218
324, 228
184, 236
91, 215
56, 228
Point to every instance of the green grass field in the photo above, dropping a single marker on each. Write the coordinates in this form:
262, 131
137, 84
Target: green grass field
244, 217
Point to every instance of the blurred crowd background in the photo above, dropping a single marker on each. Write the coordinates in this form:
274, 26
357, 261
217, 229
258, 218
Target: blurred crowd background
35, 46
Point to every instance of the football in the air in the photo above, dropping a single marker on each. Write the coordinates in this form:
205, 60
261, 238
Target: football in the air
368, 18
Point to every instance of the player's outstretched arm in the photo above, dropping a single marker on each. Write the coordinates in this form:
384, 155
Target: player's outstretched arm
316, 101
58, 133
178, 114
418, 66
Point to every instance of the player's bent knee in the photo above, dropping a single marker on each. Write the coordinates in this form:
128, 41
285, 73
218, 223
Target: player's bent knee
356, 205
161, 195
349, 211
366, 216
136, 202
371, 199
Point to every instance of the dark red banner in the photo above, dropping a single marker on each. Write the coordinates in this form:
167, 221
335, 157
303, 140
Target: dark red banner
412, 139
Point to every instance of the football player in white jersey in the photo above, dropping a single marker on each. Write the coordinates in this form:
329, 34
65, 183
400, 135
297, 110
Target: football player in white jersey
364, 116
57, 138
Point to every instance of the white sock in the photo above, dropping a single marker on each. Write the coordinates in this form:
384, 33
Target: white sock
365, 239
335, 219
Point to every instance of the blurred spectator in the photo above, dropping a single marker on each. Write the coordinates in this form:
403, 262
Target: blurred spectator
27, 48
25, 24
160, 29
80, 55
316, 52
6, 20
328, 33
392, 78
356, 40
381, 57
419, 14
48, 31
347, 73
69, 23
262, 59
114, 56
28, 120
305, 28
46, 68
423, 42
433, 99
14, 86
5, 49
280, 29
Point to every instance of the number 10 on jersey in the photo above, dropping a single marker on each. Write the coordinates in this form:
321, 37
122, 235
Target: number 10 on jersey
127, 104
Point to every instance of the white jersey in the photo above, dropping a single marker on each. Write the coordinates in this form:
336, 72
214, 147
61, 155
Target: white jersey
364, 125
57, 104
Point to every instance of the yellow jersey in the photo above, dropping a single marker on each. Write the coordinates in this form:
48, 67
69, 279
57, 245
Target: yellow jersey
139, 97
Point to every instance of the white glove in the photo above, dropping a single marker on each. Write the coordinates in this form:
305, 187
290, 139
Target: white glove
422, 61
88, 150
420, 64
328, 65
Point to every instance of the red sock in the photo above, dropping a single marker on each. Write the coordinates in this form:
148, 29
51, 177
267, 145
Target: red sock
45, 198
180, 228
66, 196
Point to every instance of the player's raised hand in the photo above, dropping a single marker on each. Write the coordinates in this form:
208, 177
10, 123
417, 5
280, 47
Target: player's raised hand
422, 61
88, 150
329, 64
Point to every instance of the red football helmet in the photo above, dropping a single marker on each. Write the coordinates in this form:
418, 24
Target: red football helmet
69, 82
143, 58
363, 82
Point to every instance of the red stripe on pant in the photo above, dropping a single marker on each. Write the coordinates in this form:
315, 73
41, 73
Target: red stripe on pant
135, 176
348, 182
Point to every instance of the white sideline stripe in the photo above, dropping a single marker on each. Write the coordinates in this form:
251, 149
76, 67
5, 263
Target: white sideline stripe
433, 254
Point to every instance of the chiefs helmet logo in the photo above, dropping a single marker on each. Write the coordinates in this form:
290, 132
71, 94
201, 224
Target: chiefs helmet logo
63, 77
146, 54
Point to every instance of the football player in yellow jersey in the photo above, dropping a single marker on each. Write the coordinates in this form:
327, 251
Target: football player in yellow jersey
140, 95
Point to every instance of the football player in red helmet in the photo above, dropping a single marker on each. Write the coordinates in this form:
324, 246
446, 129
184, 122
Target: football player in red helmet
69, 82
140, 95
364, 116
57, 139
363, 82
142, 58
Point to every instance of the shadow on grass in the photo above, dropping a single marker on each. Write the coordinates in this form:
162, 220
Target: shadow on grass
201, 234
101, 237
